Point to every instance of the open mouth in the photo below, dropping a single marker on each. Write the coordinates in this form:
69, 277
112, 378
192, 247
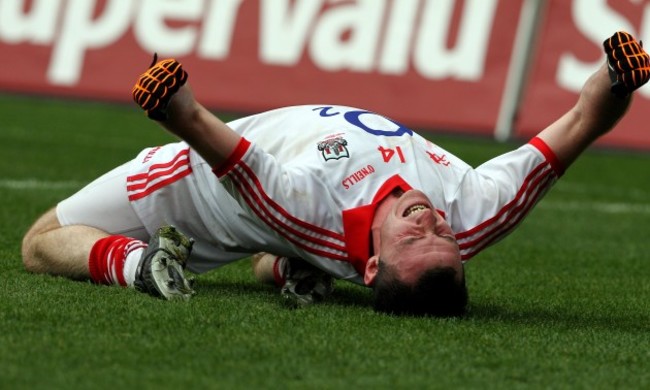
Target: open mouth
416, 208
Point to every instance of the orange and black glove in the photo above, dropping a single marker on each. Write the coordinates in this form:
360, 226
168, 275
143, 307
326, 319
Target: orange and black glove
157, 85
628, 63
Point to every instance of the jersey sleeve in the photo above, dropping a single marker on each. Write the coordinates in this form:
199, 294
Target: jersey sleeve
290, 200
494, 198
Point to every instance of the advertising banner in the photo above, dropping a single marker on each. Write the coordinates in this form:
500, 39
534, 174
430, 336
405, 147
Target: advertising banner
434, 64
430, 64
568, 51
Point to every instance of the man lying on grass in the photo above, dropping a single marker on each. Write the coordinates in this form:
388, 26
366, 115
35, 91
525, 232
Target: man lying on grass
353, 194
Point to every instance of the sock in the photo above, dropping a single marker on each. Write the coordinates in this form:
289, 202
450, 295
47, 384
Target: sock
132, 261
108, 256
279, 270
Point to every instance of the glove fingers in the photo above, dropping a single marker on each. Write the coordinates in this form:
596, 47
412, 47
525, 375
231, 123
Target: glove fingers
150, 103
628, 56
164, 77
148, 93
153, 86
629, 64
636, 77
616, 40
170, 72
144, 99
156, 86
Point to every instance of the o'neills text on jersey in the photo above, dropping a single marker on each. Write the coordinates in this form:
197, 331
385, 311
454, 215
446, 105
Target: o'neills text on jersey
357, 176
150, 154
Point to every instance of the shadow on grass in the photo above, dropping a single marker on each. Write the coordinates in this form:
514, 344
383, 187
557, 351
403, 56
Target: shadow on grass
346, 295
562, 318
352, 296
343, 295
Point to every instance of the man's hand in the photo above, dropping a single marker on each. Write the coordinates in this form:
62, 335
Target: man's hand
628, 63
157, 85
301, 283
304, 283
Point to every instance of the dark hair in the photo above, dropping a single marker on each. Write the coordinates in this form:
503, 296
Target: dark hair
436, 293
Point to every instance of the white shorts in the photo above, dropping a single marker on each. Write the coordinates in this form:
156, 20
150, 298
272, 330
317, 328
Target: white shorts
104, 204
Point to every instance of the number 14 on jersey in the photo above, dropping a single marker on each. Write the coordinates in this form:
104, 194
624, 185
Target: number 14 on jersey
389, 153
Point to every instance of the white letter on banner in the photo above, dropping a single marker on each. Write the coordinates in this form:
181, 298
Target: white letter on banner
596, 21
362, 20
284, 27
35, 27
155, 36
466, 61
399, 37
81, 32
218, 27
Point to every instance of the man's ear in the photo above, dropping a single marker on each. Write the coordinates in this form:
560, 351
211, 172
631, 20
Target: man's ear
372, 267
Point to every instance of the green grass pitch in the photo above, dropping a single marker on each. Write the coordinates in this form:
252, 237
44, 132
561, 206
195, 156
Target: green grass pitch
564, 302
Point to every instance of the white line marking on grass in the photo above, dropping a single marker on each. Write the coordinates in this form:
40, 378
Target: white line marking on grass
36, 184
613, 191
603, 207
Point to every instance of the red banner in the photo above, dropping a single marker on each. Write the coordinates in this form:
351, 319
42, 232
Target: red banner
431, 64
569, 50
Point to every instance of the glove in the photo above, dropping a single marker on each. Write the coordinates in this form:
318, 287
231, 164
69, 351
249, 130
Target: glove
628, 63
304, 284
155, 87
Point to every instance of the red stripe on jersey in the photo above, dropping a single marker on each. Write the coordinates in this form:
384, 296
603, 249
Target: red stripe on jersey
279, 209
263, 207
233, 159
161, 184
557, 166
524, 187
140, 180
257, 203
502, 232
301, 244
495, 228
158, 176
507, 226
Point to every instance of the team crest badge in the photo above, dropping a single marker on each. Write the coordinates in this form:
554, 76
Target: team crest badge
334, 148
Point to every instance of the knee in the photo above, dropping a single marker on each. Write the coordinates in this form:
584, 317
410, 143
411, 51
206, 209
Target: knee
30, 247
29, 252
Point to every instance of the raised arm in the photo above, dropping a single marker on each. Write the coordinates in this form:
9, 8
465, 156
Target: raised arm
603, 100
206, 133
595, 113
163, 93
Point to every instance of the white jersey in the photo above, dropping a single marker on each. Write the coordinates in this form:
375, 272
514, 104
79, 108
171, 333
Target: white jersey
305, 181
